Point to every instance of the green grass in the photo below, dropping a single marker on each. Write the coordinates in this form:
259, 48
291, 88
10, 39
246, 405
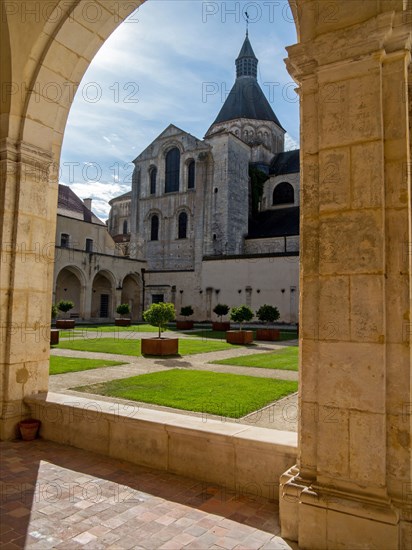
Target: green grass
124, 346
81, 329
70, 333
218, 335
222, 394
285, 359
61, 365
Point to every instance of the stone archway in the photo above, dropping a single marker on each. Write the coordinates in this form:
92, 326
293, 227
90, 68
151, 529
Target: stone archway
55, 47
352, 65
131, 294
103, 296
70, 285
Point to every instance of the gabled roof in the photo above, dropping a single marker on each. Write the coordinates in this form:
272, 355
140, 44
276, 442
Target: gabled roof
285, 163
72, 206
274, 223
169, 132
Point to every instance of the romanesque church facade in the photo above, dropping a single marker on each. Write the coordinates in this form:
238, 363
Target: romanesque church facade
217, 220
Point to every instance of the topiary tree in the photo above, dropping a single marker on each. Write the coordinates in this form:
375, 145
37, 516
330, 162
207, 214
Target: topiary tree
53, 311
241, 314
267, 314
220, 310
158, 315
186, 311
65, 306
123, 309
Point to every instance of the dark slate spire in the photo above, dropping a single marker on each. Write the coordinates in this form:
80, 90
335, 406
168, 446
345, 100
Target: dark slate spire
246, 99
246, 63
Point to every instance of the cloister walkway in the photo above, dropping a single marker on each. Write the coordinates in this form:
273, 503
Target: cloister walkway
55, 496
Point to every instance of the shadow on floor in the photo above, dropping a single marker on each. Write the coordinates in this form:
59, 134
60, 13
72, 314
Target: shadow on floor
55, 496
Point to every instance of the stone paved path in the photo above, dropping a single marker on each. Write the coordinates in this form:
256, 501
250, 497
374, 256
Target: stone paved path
54, 496
281, 415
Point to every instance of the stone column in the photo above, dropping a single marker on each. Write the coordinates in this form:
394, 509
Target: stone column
352, 485
28, 201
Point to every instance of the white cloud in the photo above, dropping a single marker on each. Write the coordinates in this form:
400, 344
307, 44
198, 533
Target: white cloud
290, 143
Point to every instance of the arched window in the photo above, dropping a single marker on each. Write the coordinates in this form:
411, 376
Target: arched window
172, 170
283, 193
154, 228
153, 176
191, 175
182, 226
125, 227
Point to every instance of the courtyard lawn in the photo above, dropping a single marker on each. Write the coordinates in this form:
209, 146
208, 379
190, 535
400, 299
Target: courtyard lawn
81, 329
70, 333
61, 365
218, 335
285, 359
129, 346
221, 394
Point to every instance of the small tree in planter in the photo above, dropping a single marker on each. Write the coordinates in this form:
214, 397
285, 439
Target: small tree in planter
53, 312
123, 309
65, 306
159, 315
267, 314
240, 315
221, 310
186, 311
54, 333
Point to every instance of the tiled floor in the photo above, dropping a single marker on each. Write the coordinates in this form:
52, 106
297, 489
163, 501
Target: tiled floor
54, 496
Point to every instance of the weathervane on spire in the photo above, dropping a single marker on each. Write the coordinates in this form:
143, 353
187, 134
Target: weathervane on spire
247, 23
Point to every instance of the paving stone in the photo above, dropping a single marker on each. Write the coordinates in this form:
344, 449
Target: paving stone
158, 520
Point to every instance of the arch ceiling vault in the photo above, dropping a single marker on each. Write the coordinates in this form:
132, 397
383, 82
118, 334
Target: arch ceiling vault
351, 486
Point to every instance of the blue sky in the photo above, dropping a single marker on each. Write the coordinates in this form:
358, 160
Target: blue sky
172, 61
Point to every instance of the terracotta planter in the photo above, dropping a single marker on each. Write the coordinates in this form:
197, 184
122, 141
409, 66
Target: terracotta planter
160, 346
29, 428
268, 334
54, 337
65, 323
221, 326
239, 336
184, 325
120, 322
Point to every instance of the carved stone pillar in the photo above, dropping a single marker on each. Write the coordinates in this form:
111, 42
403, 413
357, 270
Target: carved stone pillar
28, 203
352, 485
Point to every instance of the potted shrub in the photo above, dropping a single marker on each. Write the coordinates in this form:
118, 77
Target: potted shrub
240, 315
267, 314
186, 311
123, 309
221, 310
54, 333
158, 315
65, 306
